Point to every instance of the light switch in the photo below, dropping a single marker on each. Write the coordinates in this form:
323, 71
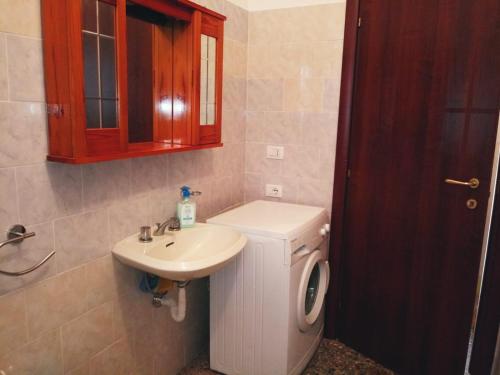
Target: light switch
275, 152
275, 191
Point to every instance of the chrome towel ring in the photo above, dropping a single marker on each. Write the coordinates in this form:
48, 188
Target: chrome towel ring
18, 234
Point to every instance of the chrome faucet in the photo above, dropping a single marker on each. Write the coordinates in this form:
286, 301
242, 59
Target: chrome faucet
173, 224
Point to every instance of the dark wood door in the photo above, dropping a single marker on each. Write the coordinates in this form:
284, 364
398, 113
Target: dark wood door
425, 108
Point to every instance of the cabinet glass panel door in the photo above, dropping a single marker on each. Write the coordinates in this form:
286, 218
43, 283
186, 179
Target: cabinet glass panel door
208, 100
99, 58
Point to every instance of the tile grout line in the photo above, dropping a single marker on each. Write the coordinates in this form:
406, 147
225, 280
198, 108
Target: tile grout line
6, 49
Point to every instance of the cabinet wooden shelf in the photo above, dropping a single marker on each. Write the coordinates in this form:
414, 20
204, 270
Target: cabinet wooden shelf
131, 78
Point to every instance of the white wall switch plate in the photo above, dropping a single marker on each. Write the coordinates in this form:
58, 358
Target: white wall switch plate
275, 152
275, 191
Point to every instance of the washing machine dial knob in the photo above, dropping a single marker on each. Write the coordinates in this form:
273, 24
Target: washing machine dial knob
325, 229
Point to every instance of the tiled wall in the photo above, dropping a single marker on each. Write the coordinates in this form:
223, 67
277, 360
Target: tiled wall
294, 66
82, 313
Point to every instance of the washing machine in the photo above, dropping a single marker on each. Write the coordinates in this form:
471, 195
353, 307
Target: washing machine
267, 306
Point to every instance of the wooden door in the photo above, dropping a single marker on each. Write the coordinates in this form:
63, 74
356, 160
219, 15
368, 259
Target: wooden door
424, 109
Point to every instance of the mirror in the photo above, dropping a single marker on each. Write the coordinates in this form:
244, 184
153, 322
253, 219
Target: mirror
99, 55
207, 80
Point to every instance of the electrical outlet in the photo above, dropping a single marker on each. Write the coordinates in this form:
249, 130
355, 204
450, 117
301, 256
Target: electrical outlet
275, 191
275, 152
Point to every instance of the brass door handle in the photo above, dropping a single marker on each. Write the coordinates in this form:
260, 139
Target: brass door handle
473, 183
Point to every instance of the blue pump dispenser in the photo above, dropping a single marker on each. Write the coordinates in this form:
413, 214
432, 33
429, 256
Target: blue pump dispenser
186, 209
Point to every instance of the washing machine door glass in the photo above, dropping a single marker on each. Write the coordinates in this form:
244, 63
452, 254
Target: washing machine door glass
312, 289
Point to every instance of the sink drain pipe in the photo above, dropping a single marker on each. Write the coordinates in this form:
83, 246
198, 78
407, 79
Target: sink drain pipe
177, 307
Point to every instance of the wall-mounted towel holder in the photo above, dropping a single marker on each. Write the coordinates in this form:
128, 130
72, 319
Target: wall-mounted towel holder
18, 234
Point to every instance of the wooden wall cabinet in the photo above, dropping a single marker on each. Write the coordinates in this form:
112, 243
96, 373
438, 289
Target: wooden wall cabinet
131, 78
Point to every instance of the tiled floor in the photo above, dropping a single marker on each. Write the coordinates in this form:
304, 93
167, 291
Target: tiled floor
332, 357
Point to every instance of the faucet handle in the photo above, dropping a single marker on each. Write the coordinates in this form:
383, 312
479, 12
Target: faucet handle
145, 235
175, 224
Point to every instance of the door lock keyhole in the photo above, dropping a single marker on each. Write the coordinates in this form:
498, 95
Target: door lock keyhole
471, 204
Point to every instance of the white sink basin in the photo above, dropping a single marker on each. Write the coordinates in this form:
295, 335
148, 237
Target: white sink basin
196, 252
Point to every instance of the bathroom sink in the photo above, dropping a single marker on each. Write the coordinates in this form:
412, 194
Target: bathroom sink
184, 255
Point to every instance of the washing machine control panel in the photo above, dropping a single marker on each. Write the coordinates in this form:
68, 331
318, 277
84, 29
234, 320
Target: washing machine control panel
308, 241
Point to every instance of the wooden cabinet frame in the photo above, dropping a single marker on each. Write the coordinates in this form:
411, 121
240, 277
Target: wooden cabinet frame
69, 139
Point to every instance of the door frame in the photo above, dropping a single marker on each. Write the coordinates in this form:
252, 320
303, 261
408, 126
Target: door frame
342, 163
349, 60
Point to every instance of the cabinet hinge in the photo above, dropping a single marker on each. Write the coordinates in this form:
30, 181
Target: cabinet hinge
348, 173
359, 21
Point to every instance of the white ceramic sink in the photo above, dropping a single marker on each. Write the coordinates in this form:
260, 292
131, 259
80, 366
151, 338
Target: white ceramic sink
196, 252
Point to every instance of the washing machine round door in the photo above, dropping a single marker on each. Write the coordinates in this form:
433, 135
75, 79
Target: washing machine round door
312, 289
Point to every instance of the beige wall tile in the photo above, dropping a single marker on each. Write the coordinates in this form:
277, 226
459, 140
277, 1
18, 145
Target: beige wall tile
301, 161
101, 281
233, 130
235, 59
331, 94
304, 95
40, 357
221, 199
319, 129
262, 25
315, 192
163, 204
238, 189
82, 370
108, 279
318, 23
236, 26
282, 127
256, 161
87, 335
48, 191
25, 67
56, 301
17, 257
253, 187
116, 359
182, 170
234, 94
148, 174
13, 330
21, 17
126, 218
81, 238
4, 88
105, 183
265, 95
23, 127
205, 165
9, 214
131, 312
266, 60
303, 47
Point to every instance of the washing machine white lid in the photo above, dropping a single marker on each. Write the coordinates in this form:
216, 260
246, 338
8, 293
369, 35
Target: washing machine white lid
270, 219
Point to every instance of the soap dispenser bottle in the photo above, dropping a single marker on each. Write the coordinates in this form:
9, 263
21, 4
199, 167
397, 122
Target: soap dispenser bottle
186, 208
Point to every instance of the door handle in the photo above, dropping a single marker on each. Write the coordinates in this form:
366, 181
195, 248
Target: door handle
473, 183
